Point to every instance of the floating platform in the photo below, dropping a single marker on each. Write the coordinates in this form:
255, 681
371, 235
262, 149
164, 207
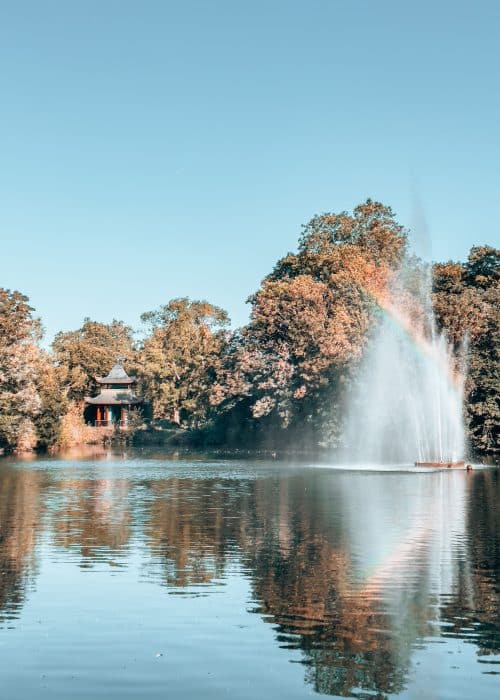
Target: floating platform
444, 465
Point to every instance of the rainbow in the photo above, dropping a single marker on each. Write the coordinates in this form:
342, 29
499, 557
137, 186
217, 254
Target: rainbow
380, 282
418, 339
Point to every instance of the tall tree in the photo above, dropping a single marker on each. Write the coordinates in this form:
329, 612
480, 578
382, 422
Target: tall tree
310, 318
467, 306
372, 228
53, 402
179, 358
20, 401
482, 273
90, 351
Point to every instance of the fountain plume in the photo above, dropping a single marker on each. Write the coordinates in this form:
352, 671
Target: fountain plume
407, 404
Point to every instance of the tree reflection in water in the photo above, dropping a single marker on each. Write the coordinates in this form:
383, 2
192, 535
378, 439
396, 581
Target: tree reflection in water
354, 570
92, 517
20, 515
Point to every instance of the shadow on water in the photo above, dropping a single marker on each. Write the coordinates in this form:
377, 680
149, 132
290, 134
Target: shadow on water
355, 572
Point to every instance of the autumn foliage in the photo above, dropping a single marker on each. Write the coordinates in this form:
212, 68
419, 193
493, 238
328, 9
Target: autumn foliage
309, 323
467, 305
284, 377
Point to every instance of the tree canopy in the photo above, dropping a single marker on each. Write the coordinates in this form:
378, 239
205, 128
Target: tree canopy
20, 401
178, 360
86, 353
310, 318
284, 376
467, 305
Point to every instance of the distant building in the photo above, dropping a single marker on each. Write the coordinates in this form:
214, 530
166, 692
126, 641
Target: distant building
115, 402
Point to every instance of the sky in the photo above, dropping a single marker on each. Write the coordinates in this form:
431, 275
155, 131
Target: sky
152, 150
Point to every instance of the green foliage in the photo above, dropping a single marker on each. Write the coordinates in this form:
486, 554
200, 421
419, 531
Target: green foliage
309, 322
19, 398
467, 306
86, 353
371, 228
180, 357
53, 402
282, 379
482, 268
482, 271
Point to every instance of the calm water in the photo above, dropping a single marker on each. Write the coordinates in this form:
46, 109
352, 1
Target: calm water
134, 577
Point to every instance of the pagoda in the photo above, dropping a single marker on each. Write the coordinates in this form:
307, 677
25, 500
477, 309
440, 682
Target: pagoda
116, 400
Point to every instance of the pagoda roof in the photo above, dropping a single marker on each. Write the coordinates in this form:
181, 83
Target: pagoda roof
116, 376
113, 397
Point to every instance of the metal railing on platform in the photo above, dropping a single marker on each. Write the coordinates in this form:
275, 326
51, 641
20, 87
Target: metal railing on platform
109, 423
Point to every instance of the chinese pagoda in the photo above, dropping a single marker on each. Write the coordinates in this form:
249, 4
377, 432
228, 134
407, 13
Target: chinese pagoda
113, 405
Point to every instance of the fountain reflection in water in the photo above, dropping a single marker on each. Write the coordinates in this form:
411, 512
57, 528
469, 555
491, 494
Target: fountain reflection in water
407, 405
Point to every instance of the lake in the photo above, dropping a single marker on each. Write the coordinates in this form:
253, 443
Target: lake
147, 575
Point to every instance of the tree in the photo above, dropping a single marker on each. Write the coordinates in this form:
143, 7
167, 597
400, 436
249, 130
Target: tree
482, 273
90, 351
19, 354
310, 319
179, 359
466, 302
371, 228
53, 402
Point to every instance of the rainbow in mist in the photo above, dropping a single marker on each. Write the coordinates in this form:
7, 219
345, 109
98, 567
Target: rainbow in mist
407, 405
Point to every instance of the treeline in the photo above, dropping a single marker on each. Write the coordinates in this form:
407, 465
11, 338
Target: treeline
282, 379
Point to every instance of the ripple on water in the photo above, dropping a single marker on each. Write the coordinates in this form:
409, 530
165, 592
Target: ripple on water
231, 569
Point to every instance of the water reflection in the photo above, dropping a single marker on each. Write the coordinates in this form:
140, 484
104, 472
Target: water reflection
356, 572
355, 594
91, 517
20, 513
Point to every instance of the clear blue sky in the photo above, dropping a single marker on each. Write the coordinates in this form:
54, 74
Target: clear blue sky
159, 149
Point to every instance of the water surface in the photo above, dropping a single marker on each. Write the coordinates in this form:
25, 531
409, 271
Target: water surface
156, 576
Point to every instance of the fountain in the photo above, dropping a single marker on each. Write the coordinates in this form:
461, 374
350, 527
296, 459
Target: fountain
407, 405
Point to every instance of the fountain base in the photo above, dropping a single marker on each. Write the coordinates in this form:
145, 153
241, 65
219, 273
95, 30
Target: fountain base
444, 465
